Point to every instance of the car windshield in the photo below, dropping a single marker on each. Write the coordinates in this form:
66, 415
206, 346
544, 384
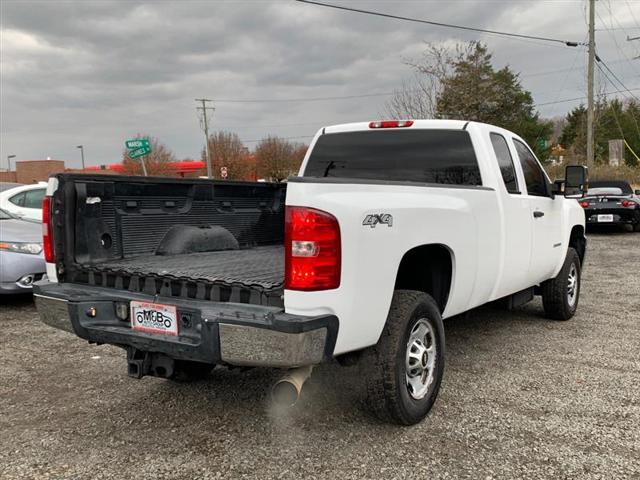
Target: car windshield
605, 191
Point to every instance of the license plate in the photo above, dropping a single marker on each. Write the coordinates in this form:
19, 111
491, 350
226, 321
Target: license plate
154, 318
605, 218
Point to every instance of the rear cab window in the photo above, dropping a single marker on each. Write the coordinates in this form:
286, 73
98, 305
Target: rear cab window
505, 162
418, 155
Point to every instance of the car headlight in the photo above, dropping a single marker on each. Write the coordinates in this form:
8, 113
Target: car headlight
21, 247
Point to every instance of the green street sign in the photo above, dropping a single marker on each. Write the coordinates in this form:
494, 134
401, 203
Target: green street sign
137, 143
139, 152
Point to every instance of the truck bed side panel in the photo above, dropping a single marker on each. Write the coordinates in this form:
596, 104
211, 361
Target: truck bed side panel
461, 219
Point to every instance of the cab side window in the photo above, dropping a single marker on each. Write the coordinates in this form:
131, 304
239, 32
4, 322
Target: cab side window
33, 198
505, 162
534, 176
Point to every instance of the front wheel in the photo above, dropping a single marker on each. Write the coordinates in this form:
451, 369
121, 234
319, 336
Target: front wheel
560, 295
403, 371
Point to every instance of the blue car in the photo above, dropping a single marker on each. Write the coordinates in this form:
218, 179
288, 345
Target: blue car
21, 258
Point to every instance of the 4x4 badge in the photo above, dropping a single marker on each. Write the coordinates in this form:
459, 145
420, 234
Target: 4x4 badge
375, 219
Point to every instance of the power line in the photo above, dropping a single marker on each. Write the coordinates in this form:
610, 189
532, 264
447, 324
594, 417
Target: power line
365, 95
630, 113
561, 70
584, 97
613, 109
632, 14
567, 43
612, 16
599, 60
562, 85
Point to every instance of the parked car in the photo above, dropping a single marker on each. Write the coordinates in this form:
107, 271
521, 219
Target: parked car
612, 202
390, 227
21, 258
7, 185
24, 200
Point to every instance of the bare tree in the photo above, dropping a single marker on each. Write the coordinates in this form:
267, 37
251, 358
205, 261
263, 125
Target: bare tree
156, 163
278, 159
418, 98
227, 150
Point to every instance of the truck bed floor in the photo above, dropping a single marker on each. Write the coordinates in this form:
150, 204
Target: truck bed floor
258, 267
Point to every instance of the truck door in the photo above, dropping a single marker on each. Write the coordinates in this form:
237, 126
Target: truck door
517, 222
545, 214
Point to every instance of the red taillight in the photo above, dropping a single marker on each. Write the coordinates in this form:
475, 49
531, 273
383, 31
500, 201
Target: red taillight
391, 124
312, 249
584, 204
628, 203
47, 231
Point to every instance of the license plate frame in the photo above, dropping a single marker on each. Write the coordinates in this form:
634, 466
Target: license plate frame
155, 318
605, 218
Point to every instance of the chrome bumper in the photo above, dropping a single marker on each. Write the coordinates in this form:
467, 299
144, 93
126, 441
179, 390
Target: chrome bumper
54, 312
250, 346
221, 333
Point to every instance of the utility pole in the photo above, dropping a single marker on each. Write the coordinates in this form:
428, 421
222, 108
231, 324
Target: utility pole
81, 154
205, 126
592, 57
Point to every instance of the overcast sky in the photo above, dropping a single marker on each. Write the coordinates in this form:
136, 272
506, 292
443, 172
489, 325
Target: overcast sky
99, 72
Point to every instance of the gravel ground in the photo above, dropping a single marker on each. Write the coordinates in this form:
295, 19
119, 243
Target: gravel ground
523, 397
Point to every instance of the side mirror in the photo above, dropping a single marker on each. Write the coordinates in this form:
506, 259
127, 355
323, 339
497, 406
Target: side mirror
637, 192
576, 181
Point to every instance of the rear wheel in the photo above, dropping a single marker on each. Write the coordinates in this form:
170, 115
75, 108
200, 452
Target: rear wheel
560, 295
403, 371
636, 226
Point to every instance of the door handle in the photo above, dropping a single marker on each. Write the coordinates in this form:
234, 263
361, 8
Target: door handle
538, 214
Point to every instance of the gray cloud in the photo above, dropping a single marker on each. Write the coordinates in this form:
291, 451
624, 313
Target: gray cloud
98, 72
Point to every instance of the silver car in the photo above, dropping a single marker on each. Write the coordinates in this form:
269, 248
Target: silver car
21, 257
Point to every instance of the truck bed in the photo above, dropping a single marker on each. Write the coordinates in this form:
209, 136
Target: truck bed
253, 276
261, 267
189, 238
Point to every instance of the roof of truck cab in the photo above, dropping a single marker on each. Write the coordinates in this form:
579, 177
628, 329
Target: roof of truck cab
432, 123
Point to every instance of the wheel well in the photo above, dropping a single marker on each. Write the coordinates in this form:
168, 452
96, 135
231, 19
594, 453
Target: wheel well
427, 268
578, 242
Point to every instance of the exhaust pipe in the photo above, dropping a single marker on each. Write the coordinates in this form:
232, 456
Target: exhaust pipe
286, 391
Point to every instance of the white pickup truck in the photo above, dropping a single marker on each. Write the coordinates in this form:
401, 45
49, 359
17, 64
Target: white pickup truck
390, 227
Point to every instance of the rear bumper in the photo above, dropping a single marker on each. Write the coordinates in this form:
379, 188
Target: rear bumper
620, 216
210, 332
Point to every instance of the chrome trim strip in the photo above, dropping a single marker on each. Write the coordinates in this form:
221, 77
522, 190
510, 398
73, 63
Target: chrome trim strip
246, 345
53, 312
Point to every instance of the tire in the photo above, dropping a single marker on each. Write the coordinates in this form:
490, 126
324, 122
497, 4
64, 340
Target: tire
636, 226
384, 367
185, 371
560, 295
